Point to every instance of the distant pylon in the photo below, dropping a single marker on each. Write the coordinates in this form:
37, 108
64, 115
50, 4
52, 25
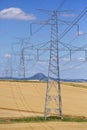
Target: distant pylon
22, 64
22, 61
53, 103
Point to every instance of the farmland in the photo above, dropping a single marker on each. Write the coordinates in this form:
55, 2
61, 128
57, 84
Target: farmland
27, 99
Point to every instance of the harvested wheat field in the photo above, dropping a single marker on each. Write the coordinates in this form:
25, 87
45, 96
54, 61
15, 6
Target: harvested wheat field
22, 99
45, 126
28, 98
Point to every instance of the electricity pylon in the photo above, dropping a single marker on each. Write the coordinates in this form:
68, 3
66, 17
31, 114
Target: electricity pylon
53, 103
22, 64
22, 60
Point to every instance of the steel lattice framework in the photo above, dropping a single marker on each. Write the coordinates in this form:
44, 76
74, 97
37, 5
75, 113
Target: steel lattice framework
53, 105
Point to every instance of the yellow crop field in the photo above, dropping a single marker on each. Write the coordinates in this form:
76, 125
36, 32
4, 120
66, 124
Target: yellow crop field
22, 96
28, 98
21, 99
45, 126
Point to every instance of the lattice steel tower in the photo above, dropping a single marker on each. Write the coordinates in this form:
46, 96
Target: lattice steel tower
53, 105
22, 61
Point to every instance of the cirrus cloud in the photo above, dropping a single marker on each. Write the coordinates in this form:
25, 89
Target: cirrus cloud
15, 13
68, 15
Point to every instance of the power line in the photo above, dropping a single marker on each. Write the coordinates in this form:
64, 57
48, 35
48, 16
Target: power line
83, 12
61, 4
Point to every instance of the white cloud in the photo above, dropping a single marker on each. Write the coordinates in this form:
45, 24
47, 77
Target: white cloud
68, 15
80, 33
7, 55
15, 13
81, 59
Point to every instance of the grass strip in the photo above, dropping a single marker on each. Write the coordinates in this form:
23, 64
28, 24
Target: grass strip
41, 119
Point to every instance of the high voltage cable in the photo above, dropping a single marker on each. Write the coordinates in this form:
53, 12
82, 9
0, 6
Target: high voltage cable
83, 12
76, 37
36, 45
61, 4
75, 50
72, 68
43, 24
72, 53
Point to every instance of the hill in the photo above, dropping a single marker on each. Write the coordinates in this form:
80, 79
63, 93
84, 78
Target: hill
42, 77
38, 76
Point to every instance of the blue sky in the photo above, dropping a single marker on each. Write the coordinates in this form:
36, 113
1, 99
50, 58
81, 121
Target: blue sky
15, 17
